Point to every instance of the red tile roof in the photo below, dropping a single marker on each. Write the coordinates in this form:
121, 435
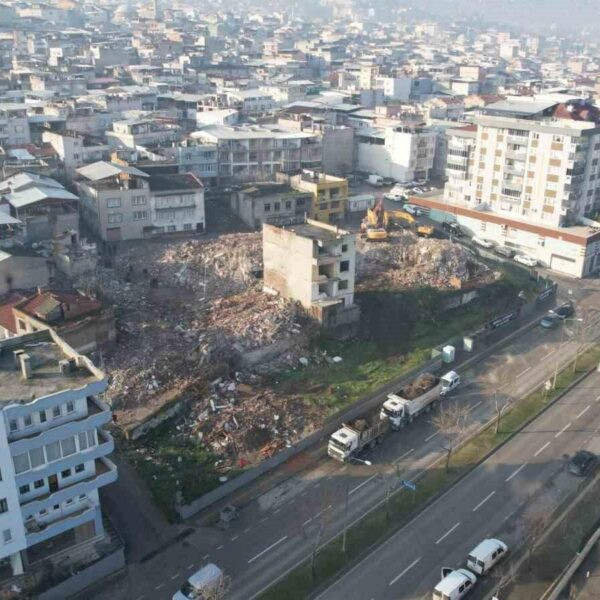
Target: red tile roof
7, 317
74, 305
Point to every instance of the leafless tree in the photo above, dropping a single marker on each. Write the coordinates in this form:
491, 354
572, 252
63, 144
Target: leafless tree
500, 408
219, 592
534, 525
450, 422
504, 573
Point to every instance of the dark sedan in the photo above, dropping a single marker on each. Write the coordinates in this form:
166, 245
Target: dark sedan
582, 463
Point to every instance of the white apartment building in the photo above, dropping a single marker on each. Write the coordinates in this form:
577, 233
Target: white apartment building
142, 132
75, 149
395, 88
14, 125
53, 455
403, 153
526, 176
251, 103
256, 153
120, 202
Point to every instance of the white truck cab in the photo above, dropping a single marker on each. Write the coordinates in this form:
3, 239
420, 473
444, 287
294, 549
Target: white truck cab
485, 555
201, 584
456, 584
448, 382
342, 443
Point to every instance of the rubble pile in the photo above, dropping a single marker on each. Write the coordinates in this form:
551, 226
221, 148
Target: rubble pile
405, 261
423, 383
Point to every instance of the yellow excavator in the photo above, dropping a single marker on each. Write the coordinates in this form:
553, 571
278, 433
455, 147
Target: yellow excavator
379, 221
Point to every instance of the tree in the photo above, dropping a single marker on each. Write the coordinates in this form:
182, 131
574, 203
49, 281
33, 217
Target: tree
220, 591
534, 525
450, 422
500, 408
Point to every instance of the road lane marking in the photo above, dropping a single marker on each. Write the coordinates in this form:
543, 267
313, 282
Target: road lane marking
597, 399
160, 585
583, 411
246, 530
412, 564
559, 433
203, 558
190, 567
431, 436
448, 533
263, 519
235, 537
404, 455
140, 597
523, 372
508, 516
303, 494
279, 541
475, 405
276, 511
542, 448
511, 476
175, 577
221, 547
355, 489
484, 501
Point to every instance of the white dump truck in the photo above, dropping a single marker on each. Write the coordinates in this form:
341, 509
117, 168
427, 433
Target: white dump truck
356, 435
419, 396
375, 180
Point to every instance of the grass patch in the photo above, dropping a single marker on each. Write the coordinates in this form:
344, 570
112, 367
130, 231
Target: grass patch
384, 520
168, 464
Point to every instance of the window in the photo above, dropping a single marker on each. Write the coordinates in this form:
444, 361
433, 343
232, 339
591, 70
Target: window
3, 505
38, 483
115, 218
171, 228
187, 227
343, 284
79, 468
52, 451
69, 501
56, 507
91, 435
43, 511
288, 205
21, 324
42, 416
36, 456
68, 446
345, 266
56, 412
344, 247
66, 473
82, 440
70, 407
113, 203
27, 421
267, 207
140, 215
82, 496
21, 462
6, 536
24, 489
138, 200
14, 426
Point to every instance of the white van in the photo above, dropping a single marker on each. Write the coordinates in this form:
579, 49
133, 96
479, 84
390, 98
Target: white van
456, 584
448, 382
486, 555
206, 580
482, 242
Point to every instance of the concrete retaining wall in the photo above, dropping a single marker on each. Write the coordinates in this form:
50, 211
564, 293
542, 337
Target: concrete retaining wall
96, 572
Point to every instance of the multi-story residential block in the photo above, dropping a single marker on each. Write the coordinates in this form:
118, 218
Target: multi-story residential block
193, 156
273, 203
527, 176
313, 263
329, 194
53, 455
75, 149
404, 153
124, 203
14, 125
251, 103
142, 132
253, 153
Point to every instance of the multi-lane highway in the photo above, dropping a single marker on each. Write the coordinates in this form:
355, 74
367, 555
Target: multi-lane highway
496, 499
276, 531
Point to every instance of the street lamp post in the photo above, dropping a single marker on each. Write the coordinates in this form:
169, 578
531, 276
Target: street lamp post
562, 336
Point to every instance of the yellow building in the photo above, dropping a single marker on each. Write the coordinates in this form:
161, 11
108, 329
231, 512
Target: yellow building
329, 194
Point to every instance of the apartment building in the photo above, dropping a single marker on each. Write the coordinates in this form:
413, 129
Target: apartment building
75, 149
404, 153
527, 175
53, 455
120, 202
329, 194
142, 132
193, 156
313, 263
256, 153
14, 124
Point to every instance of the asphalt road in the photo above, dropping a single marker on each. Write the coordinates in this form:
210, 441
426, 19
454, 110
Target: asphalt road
488, 502
277, 530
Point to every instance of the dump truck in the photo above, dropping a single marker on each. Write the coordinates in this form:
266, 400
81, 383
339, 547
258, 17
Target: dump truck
356, 435
401, 407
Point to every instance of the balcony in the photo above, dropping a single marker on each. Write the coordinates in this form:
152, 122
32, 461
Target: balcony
106, 473
39, 532
326, 258
517, 154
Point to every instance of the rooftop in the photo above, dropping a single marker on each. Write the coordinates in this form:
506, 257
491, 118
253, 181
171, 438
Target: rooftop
319, 232
45, 350
165, 183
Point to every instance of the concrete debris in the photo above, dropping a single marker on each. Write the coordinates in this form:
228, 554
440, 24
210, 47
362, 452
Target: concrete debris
405, 261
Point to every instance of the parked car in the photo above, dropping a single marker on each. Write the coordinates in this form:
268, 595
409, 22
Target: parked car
564, 310
550, 321
418, 190
455, 584
504, 251
485, 555
582, 463
452, 228
482, 242
523, 259
413, 210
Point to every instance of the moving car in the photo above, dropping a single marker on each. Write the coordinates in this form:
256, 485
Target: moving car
456, 584
582, 463
452, 228
564, 310
523, 259
482, 242
203, 582
550, 321
485, 555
